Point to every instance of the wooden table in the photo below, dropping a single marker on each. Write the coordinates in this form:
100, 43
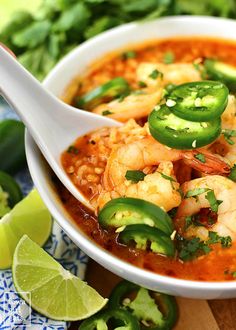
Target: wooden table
194, 314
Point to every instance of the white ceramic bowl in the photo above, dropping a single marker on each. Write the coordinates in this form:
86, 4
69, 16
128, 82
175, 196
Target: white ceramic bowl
76, 62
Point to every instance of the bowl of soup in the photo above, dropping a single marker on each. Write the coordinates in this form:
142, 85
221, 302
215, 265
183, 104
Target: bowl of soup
162, 184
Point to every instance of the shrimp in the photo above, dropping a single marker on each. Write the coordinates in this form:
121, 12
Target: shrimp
225, 191
177, 73
133, 106
221, 146
147, 152
140, 105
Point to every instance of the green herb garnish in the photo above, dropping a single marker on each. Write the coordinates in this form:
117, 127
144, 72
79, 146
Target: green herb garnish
196, 192
214, 203
214, 238
232, 174
135, 176
200, 157
155, 74
106, 112
169, 57
129, 54
73, 150
142, 84
228, 134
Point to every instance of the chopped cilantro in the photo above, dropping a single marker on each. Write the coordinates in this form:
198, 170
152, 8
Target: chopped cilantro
167, 177
232, 174
73, 150
142, 84
188, 222
233, 274
214, 238
190, 249
214, 203
169, 57
129, 54
200, 157
106, 112
135, 176
155, 74
228, 134
195, 192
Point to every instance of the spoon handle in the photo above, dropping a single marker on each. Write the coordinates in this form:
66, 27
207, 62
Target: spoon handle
24, 93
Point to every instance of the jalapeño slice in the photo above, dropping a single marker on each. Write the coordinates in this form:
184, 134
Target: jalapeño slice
221, 71
179, 133
146, 237
198, 101
127, 211
104, 93
159, 311
102, 320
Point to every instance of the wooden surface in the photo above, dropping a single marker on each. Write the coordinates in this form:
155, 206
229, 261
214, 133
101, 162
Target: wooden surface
194, 314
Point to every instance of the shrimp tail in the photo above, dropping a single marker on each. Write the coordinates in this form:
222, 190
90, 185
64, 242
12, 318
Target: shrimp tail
210, 164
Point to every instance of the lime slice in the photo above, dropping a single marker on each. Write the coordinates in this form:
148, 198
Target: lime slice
30, 216
50, 289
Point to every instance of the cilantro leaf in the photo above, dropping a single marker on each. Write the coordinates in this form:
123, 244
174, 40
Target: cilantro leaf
190, 249
228, 134
155, 74
73, 150
169, 57
106, 112
142, 84
135, 176
195, 192
232, 174
167, 177
129, 54
214, 203
200, 157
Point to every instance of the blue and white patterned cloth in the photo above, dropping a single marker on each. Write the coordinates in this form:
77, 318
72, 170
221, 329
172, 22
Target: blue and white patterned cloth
14, 313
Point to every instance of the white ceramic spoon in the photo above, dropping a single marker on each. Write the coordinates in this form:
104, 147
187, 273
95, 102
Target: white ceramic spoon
53, 124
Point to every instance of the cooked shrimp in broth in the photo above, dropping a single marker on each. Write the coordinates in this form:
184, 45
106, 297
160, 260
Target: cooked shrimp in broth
162, 185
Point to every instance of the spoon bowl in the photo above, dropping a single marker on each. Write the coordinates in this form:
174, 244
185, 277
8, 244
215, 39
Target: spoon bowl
53, 124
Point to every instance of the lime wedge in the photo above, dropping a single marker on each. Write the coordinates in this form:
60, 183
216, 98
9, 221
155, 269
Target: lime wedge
50, 289
30, 216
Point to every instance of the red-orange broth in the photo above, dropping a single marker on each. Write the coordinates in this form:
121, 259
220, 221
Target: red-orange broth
220, 263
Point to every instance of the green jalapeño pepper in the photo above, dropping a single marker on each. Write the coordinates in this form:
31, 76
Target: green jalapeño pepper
154, 310
221, 71
146, 237
104, 93
11, 188
179, 133
119, 316
12, 146
126, 211
198, 101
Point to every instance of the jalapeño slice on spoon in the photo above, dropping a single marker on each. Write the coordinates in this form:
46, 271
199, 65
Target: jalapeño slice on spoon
198, 101
221, 71
179, 133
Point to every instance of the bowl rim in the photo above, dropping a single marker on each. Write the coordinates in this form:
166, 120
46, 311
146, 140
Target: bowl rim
85, 243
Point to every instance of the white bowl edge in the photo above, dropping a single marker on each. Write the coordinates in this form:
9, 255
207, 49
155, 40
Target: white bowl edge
76, 62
